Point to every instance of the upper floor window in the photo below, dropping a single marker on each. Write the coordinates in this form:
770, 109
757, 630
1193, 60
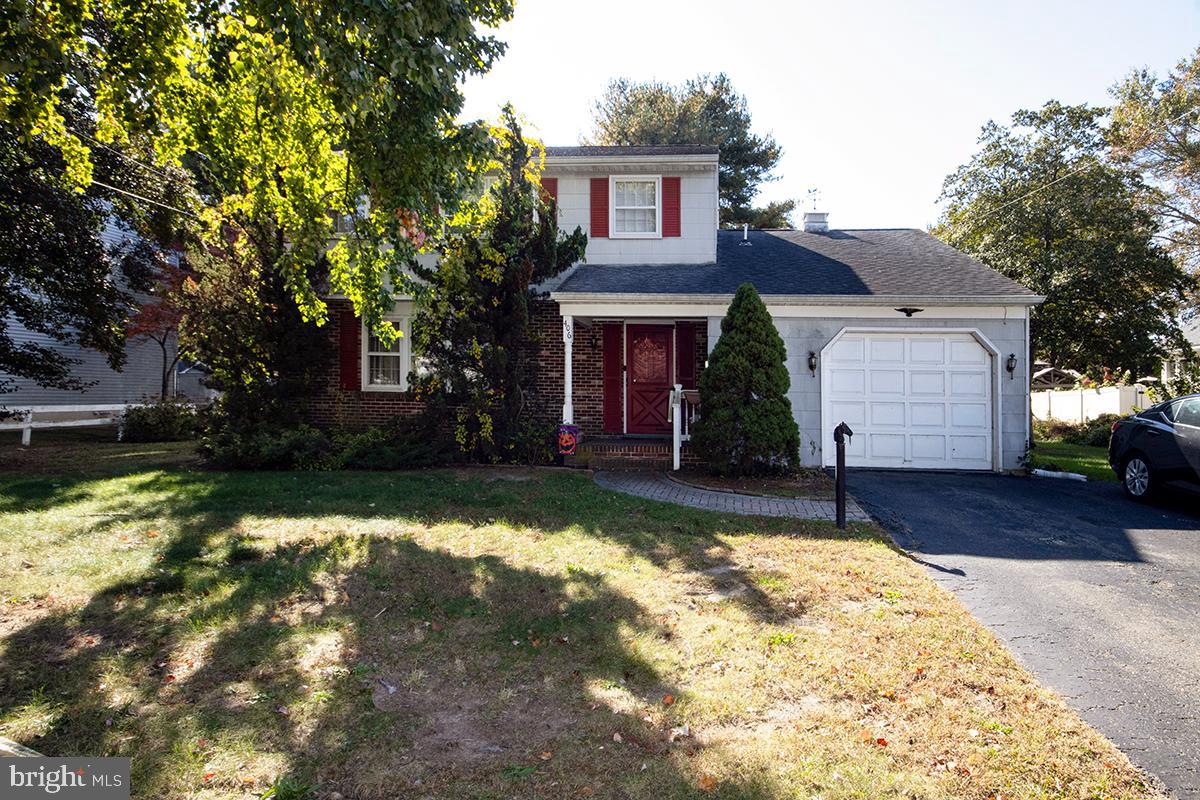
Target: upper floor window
344, 221
637, 206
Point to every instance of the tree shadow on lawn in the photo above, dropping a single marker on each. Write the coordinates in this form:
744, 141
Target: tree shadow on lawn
368, 664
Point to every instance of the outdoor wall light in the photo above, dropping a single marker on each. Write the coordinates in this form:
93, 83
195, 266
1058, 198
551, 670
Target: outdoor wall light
812, 362
1011, 365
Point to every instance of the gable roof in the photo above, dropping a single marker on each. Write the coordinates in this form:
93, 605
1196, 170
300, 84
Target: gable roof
860, 264
595, 151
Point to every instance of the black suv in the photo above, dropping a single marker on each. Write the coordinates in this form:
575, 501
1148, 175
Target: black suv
1157, 446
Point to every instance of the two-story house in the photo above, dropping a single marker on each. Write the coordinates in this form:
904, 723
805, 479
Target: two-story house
920, 349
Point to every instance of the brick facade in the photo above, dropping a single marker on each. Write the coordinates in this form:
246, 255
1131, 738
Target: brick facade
332, 406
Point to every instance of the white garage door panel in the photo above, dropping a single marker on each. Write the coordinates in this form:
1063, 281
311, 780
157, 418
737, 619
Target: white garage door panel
885, 351
926, 351
848, 381
927, 383
926, 415
886, 445
853, 412
887, 381
926, 448
889, 415
849, 350
920, 400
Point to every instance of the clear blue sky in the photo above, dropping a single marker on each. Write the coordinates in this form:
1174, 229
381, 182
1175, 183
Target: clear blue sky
873, 102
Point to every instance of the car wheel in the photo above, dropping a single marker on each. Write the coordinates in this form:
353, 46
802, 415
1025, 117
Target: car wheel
1138, 477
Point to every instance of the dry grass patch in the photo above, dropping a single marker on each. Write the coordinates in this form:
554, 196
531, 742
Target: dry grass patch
453, 635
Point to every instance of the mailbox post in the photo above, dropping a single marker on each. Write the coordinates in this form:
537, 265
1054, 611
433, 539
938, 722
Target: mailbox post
840, 434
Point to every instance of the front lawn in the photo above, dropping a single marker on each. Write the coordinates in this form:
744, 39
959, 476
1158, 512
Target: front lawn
1089, 461
500, 634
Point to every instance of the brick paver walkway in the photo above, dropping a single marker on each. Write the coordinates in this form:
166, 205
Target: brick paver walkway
656, 486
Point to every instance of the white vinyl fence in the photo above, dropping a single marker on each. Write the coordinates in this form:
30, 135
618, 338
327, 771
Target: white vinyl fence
1080, 405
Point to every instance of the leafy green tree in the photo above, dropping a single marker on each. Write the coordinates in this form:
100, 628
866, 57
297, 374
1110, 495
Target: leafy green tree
472, 326
1041, 203
238, 317
746, 425
776, 214
58, 276
1156, 129
283, 109
706, 110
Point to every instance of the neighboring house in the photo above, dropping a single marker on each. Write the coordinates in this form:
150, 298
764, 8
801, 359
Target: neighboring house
1173, 366
919, 348
139, 380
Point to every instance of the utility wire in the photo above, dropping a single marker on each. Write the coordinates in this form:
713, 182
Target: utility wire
135, 196
121, 155
1047, 185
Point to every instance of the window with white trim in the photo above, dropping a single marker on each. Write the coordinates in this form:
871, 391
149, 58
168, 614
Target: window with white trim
636, 206
344, 221
385, 369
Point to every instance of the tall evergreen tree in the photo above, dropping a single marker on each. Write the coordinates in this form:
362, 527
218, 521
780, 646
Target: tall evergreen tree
472, 326
746, 424
704, 110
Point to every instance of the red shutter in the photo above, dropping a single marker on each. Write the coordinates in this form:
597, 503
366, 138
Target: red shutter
614, 386
599, 208
670, 207
349, 354
550, 188
685, 353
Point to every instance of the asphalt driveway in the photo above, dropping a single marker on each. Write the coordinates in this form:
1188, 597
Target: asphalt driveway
1098, 595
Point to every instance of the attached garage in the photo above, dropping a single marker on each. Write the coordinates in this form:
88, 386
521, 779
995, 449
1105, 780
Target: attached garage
920, 349
915, 399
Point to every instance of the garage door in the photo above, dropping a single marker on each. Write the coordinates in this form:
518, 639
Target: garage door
915, 400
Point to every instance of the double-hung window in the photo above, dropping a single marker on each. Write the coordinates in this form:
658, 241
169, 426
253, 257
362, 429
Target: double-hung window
636, 206
385, 369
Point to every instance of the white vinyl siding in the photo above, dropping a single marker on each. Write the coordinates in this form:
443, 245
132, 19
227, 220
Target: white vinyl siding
138, 381
698, 216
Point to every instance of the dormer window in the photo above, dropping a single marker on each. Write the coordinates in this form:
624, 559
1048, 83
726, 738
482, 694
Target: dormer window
636, 206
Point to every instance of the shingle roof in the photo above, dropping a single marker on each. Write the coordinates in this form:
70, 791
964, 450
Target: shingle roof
893, 262
592, 151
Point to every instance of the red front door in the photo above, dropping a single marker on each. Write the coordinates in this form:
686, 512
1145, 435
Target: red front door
651, 376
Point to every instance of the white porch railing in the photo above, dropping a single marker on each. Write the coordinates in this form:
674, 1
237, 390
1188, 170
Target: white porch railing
684, 410
83, 416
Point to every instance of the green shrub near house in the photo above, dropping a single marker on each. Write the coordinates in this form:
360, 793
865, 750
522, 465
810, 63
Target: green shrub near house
167, 420
407, 443
1092, 433
746, 425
